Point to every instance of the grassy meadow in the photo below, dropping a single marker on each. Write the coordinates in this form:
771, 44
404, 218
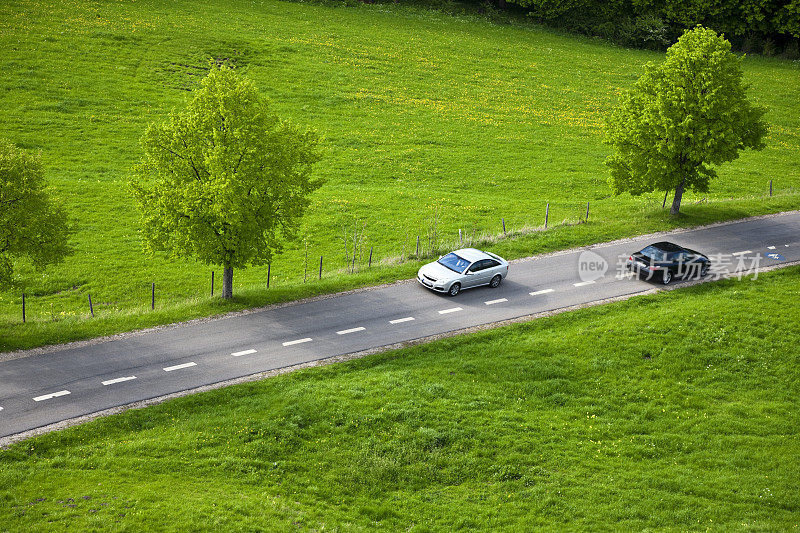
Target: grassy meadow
677, 411
432, 123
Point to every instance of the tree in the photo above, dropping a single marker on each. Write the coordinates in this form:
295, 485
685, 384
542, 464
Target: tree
224, 179
787, 20
682, 116
31, 225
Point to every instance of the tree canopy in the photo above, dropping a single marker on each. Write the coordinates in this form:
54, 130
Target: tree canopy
749, 22
225, 179
681, 117
32, 226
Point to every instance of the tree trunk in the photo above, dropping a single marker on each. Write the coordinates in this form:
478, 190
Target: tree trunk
676, 201
501, 4
227, 283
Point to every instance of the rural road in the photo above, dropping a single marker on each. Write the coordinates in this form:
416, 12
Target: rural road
46, 388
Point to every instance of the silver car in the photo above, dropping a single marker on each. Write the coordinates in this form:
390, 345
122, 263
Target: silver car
463, 269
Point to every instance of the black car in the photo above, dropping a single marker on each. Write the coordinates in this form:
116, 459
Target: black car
668, 260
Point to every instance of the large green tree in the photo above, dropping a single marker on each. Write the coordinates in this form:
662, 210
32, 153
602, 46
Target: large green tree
224, 180
681, 118
32, 226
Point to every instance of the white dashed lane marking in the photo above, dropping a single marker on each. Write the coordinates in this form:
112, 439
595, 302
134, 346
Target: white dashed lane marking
178, 367
498, 301
51, 395
352, 330
451, 310
400, 320
298, 341
243, 352
543, 291
745, 252
118, 380
583, 283
770, 247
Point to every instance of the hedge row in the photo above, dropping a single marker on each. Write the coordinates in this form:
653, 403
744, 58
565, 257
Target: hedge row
764, 26
768, 27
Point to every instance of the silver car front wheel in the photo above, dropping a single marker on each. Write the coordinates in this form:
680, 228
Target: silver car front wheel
454, 289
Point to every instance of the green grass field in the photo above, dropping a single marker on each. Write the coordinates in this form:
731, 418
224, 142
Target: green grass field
430, 120
677, 410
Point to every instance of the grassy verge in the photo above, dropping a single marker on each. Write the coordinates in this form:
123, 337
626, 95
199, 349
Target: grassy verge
433, 123
676, 410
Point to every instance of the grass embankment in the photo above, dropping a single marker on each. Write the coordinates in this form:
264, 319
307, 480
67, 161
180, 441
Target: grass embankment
674, 410
430, 120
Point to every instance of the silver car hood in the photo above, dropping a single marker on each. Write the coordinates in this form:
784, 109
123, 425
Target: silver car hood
438, 272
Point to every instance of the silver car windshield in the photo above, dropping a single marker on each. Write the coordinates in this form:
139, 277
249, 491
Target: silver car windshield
454, 262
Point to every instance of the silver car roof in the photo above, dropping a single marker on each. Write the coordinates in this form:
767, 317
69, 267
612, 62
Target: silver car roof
472, 254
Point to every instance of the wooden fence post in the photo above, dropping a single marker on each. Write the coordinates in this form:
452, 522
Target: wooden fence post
320, 267
269, 267
770, 188
153, 296
23, 307
417, 245
664, 203
212, 283
546, 214
355, 242
91, 308
504, 225
587, 211
369, 265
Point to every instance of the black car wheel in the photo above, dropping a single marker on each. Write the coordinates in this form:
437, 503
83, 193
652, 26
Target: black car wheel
496, 281
454, 289
666, 277
704, 270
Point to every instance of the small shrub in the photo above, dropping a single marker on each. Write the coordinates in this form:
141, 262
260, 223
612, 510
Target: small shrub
770, 48
750, 44
792, 50
648, 31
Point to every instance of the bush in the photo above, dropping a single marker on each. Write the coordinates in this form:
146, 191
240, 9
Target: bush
770, 48
792, 50
648, 31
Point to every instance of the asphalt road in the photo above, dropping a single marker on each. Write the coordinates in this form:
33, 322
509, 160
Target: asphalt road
43, 389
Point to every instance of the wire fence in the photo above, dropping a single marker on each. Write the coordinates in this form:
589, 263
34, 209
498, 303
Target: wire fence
430, 242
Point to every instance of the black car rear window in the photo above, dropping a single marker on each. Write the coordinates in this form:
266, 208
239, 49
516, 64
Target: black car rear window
656, 254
